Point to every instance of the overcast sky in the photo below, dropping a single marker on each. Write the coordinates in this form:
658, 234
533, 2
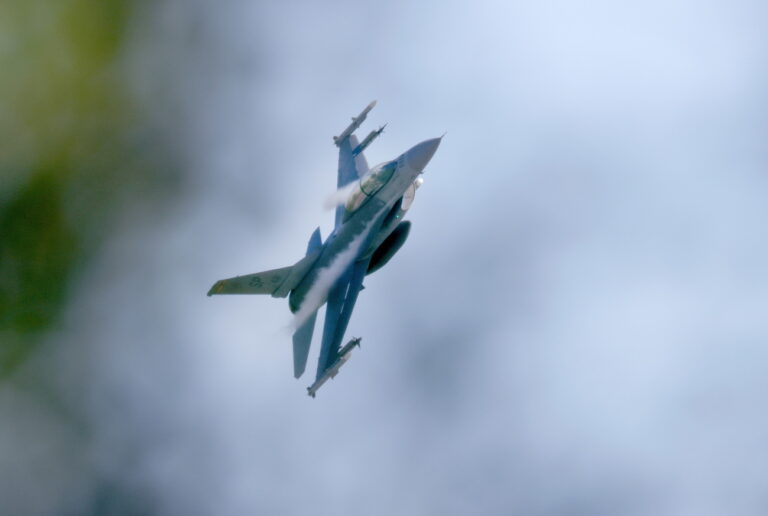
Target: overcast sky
577, 324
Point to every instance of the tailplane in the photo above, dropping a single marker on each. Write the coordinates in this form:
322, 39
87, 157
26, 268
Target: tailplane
302, 337
279, 283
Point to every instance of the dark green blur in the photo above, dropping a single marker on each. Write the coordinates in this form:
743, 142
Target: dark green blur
69, 156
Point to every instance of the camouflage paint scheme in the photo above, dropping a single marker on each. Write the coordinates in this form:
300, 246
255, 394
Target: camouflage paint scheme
368, 231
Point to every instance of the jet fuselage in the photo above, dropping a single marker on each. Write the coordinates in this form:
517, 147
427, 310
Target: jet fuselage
362, 228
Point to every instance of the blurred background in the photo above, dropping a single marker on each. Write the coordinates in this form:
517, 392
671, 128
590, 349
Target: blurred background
577, 325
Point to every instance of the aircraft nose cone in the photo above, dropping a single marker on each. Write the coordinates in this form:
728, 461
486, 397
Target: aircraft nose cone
420, 154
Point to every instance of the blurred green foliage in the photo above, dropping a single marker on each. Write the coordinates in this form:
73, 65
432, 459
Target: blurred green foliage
37, 252
66, 126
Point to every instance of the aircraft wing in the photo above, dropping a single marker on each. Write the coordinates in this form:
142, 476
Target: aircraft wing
341, 302
361, 164
352, 162
351, 168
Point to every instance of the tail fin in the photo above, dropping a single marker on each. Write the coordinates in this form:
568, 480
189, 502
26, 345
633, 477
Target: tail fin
266, 282
276, 282
302, 338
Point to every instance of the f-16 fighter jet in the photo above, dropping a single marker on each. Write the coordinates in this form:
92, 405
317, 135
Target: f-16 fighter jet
369, 230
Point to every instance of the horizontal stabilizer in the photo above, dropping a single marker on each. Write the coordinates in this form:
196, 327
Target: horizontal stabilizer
302, 339
315, 241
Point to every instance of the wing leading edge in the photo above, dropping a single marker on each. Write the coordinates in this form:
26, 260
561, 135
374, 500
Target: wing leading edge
341, 302
352, 162
343, 296
351, 168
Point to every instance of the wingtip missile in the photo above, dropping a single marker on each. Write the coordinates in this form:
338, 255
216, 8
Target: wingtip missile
356, 122
344, 354
355, 342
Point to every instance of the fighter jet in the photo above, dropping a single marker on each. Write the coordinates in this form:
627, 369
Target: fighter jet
369, 229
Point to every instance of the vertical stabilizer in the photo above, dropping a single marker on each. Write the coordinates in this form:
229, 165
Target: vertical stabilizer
302, 337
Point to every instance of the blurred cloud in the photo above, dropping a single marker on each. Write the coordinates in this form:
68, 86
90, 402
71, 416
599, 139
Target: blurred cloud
576, 325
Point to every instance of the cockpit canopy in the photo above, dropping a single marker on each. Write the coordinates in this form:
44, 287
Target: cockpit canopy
370, 184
